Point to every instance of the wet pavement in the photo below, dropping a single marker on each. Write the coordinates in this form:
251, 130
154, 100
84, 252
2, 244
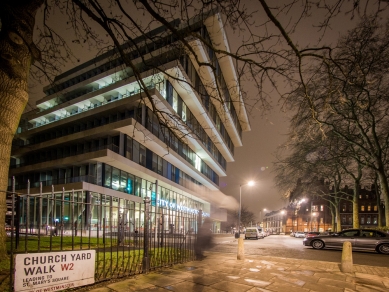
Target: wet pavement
223, 272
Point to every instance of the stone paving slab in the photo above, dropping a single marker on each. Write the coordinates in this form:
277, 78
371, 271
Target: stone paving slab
231, 286
223, 272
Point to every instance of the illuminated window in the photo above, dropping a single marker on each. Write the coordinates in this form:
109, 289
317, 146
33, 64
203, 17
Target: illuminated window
175, 101
362, 208
344, 208
321, 220
369, 208
183, 112
368, 221
321, 207
375, 208
375, 220
198, 163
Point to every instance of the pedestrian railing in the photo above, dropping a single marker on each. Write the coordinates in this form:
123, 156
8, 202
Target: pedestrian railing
127, 237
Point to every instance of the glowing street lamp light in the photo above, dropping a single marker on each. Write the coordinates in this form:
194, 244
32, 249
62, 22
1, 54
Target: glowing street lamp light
250, 183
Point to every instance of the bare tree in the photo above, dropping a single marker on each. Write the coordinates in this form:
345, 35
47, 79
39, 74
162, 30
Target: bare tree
267, 50
347, 96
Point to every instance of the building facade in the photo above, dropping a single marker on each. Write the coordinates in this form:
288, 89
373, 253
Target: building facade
95, 135
368, 208
314, 214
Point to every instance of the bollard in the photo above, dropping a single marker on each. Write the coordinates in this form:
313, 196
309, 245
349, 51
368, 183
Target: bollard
240, 249
346, 265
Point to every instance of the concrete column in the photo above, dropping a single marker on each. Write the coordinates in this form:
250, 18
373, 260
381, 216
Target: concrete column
122, 138
240, 249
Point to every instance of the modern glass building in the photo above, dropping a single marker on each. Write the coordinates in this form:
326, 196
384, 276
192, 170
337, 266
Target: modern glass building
96, 135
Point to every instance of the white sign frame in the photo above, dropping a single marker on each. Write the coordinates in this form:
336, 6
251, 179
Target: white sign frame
54, 271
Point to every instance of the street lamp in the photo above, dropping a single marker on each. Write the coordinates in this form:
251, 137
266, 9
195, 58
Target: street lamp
260, 215
250, 183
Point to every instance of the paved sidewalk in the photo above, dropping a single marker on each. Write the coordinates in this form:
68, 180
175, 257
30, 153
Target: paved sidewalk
223, 272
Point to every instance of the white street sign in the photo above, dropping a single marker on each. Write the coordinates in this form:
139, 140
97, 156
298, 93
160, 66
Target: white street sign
54, 271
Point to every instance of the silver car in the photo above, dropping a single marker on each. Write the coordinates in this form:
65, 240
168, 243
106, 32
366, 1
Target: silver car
299, 234
361, 239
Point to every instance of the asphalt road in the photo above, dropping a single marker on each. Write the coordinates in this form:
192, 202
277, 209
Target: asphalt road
290, 247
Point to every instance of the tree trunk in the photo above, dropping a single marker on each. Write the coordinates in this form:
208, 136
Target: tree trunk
332, 218
384, 193
338, 222
16, 56
356, 205
379, 209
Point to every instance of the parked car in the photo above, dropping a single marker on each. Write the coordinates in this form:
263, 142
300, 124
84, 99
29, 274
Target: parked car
312, 234
252, 232
299, 234
361, 239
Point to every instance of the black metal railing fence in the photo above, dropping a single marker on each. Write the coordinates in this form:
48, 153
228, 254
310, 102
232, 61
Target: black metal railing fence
128, 237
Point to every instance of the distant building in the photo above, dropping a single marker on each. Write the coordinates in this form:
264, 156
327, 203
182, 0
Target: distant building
368, 208
314, 214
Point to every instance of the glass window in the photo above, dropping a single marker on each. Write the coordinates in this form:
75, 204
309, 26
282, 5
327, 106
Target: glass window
138, 184
165, 169
369, 207
375, 208
107, 176
129, 148
160, 165
344, 208
135, 154
362, 220
350, 233
368, 233
350, 220
144, 188
380, 234
173, 174
183, 115
321, 207
375, 220
130, 184
123, 181
155, 162
175, 101
362, 208
142, 155
115, 178
368, 220
198, 163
